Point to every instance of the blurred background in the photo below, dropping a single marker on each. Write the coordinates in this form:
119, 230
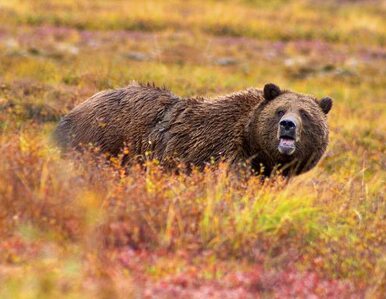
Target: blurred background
56, 216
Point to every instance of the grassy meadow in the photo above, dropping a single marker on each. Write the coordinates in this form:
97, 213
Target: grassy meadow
73, 228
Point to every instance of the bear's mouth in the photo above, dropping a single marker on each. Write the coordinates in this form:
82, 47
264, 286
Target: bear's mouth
286, 145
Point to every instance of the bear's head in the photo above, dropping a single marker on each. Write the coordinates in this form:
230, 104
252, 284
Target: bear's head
290, 130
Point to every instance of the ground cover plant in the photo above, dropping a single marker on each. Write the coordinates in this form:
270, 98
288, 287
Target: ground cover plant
73, 227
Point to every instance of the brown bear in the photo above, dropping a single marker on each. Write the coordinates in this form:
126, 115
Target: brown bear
266, 129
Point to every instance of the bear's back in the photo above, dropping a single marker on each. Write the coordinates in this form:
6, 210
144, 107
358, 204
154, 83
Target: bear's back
109, 117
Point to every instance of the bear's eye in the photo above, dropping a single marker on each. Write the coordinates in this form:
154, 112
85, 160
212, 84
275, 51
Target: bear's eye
280, 113
304, 114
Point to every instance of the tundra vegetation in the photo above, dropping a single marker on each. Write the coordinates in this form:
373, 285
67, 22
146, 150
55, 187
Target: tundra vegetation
73, 227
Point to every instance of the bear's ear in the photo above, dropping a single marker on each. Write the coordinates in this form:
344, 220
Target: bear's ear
271, 91
326, 104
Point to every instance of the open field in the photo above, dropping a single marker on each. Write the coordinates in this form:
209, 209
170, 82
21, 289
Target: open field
71, 229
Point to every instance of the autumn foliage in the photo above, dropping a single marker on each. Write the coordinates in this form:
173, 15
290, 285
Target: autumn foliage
78, 225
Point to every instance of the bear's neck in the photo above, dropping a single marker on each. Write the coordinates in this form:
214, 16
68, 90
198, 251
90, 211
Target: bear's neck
252, 141
223, 119
252, 149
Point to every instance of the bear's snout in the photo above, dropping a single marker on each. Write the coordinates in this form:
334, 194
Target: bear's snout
288, 134
288, 128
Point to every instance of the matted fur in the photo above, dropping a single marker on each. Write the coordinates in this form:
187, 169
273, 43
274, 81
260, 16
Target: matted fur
239, 128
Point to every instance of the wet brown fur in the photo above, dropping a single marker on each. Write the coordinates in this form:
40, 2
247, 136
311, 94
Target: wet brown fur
240, 128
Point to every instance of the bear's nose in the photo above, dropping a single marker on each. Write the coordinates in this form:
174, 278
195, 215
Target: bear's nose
287, 124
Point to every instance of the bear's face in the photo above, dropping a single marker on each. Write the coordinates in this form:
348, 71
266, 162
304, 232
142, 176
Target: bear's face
292, 128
